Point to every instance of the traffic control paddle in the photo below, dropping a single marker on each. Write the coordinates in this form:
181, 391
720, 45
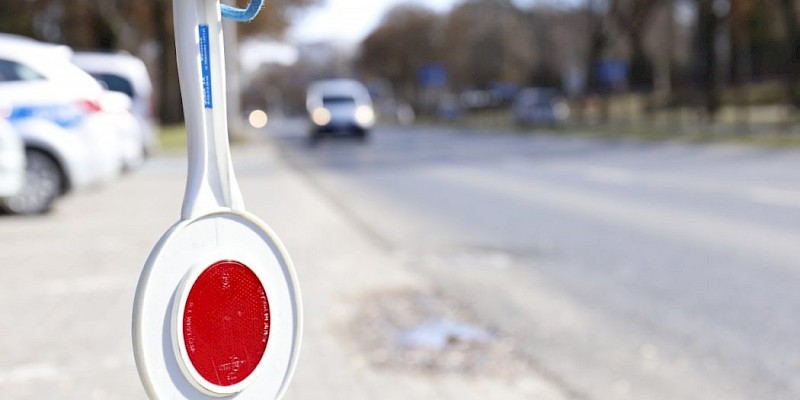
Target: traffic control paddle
217, 310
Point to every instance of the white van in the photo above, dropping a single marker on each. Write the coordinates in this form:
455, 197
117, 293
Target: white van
339, 107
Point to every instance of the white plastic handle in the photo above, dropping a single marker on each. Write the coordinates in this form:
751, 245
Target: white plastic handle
211, 185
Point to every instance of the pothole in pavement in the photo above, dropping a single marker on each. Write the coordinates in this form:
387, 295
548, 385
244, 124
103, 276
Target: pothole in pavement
417, 331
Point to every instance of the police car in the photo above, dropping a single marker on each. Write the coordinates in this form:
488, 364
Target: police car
58, 112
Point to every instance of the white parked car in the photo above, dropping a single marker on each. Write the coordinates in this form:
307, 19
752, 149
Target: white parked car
124, 73
339, 107
58, 111
12, 161
116, 112
58, 161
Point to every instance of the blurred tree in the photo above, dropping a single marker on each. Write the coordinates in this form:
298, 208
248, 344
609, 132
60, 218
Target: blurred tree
486, 42
755, 41
789, 10
406, 41
708, 82
634, 17
562, 38
598, 40
274, 19
15, 17
169, 105
739, 26
545, 70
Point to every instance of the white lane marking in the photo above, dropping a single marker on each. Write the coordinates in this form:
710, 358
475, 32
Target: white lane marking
610, 176
693, 227
30, 373
774, 197
763, 195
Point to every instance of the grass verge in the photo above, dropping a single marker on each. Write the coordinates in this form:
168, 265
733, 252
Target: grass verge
172, 137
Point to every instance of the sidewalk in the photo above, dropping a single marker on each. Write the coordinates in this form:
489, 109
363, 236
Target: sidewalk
84, 350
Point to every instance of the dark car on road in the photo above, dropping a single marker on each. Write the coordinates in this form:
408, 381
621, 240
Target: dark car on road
540, 106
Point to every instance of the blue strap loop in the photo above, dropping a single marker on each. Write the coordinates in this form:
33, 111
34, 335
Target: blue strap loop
242, 15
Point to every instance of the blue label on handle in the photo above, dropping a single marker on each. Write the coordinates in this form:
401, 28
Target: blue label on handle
205, 66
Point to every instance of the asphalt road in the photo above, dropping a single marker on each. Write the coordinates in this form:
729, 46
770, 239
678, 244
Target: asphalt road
623, 270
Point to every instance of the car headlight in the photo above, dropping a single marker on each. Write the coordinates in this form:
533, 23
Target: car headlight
258, 119
321, 116
365, 116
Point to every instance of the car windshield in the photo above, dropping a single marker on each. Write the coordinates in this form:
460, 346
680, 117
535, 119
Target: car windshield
11, 71
329, 101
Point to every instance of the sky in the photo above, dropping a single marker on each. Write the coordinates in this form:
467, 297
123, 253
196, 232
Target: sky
349, 21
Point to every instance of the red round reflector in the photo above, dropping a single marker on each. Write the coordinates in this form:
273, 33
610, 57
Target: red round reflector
226, 323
